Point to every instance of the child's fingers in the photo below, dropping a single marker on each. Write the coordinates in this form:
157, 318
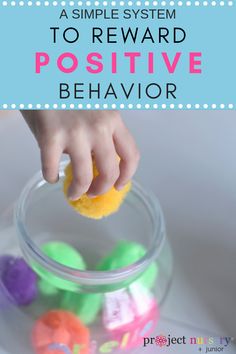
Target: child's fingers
129, 155
50, 158
108, 167
81, 161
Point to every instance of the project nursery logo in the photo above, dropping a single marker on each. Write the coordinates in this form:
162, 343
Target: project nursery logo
202, 344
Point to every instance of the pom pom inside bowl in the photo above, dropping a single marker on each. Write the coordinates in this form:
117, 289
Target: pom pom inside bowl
58, 326
19, 280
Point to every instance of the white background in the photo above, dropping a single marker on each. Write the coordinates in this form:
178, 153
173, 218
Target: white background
189, 161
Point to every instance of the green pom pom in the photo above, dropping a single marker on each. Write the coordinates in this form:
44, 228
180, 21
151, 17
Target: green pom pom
85, 306
46, 288
65, 255
126, 253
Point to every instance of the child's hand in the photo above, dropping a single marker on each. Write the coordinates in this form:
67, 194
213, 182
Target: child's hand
83, 134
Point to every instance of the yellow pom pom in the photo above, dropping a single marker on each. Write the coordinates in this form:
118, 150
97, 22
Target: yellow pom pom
99, 206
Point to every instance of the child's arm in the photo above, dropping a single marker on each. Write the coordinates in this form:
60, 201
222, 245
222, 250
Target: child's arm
83, 134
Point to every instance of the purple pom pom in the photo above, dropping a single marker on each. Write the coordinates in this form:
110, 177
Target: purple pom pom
4, 263
5, 298
19, 280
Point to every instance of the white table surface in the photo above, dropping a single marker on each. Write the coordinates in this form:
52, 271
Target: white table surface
188, 160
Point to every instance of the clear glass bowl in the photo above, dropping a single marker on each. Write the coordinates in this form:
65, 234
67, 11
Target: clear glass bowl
115, 308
